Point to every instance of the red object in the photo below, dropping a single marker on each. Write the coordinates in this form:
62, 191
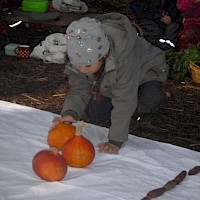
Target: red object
49, 165
23, 51
190, 10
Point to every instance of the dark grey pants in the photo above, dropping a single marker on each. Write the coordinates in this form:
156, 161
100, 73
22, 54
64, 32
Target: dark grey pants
150, 96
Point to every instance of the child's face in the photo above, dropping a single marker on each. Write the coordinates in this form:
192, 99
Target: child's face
90, 69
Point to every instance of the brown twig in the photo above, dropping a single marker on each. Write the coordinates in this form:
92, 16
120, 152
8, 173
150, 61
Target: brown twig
173, 109
58, 95
194, 145
32, 98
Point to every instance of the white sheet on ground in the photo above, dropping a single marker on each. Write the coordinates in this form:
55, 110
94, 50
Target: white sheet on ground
142, 165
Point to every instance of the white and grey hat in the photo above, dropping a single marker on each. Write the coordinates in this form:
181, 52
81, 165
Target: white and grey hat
86, 41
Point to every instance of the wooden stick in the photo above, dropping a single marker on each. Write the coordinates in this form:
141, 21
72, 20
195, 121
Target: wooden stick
58, 95
34, 99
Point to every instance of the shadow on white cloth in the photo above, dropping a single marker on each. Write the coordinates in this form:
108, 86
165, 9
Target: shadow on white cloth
142, 165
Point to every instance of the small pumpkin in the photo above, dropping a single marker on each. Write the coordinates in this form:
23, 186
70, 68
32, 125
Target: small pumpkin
49, 165
60, 134
79, 151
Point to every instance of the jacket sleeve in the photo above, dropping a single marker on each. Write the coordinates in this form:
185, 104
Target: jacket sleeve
124, 103
78, 95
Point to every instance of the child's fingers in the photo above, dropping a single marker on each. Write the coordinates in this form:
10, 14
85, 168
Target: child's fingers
56, 119
106, 147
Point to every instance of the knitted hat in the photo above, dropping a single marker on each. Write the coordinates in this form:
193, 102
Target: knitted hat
86, 41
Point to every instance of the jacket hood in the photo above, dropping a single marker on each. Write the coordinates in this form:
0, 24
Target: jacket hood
118, 26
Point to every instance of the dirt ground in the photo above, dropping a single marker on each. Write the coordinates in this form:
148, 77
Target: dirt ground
36, 84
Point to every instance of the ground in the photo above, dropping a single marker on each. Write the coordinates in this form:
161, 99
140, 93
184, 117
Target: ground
33, 83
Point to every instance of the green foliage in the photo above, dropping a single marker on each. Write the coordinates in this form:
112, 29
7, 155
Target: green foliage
179, 61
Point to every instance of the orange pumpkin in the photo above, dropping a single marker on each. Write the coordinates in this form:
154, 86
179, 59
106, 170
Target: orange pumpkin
78, 152
49, 165
60, 134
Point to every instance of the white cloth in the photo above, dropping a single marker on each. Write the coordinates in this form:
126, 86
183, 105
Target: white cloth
141, 165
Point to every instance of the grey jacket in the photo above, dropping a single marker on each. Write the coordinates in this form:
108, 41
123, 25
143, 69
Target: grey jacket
131, 62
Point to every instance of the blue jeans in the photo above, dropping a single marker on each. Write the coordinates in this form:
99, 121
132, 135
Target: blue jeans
150, 96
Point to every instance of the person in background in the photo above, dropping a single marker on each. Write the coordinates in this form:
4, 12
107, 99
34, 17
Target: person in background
190, 10
160, 21
113, 74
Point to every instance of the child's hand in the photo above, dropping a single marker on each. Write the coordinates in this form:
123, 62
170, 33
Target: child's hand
67, 119
166, 19
107, 147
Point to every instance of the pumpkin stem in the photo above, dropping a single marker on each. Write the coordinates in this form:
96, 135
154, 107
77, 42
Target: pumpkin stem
79, 128
54, 150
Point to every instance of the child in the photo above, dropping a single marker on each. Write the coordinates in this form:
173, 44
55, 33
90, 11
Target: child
190, 10
160, 20
113, 74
